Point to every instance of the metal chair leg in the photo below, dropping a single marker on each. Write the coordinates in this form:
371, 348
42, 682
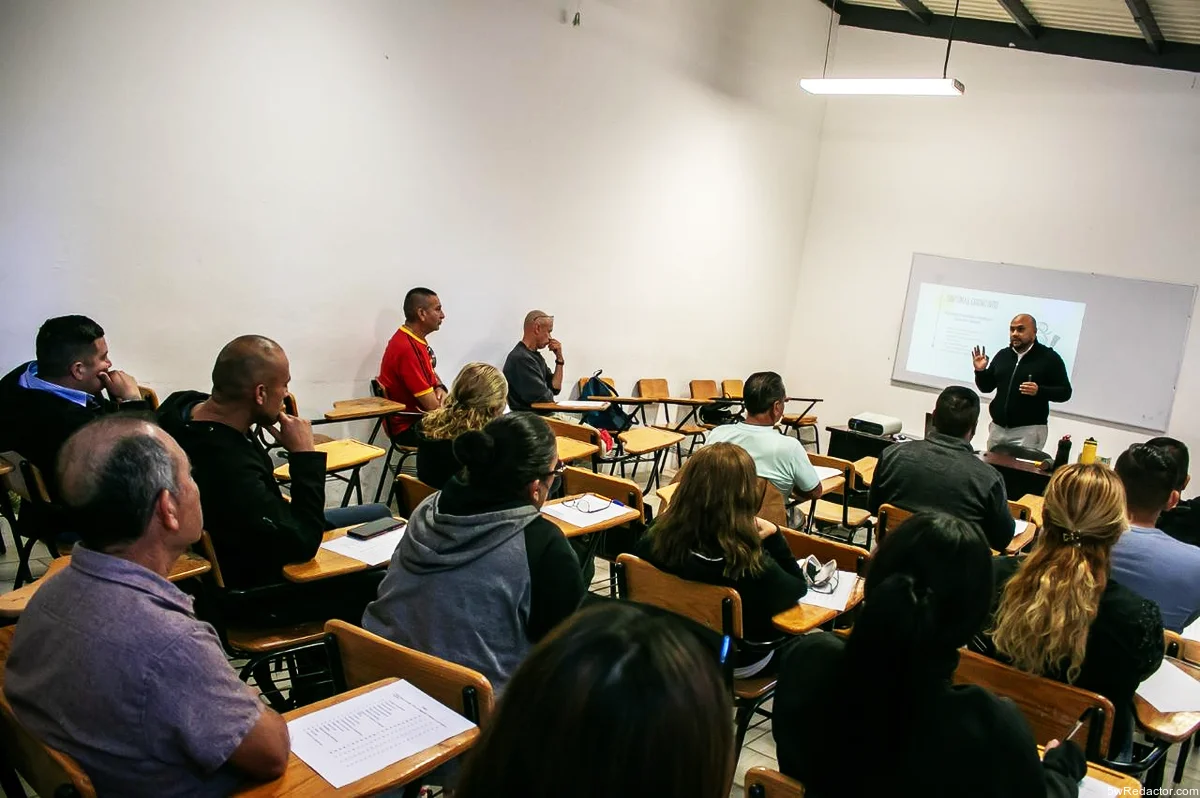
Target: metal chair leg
387, 463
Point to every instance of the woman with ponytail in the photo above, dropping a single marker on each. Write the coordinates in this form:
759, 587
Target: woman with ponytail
1060, 614
480, 575
888, 689
476, 397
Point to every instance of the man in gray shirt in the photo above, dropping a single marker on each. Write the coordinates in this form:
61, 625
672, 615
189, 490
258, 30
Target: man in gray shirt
109, 664
943, 473
530, 380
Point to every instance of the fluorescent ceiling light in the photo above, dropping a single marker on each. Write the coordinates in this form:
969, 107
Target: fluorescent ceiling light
934, 87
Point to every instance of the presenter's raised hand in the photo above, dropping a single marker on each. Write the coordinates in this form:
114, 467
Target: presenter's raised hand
979, 358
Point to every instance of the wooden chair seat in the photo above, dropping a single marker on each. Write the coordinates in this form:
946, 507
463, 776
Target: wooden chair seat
798, 421
264, 640
340, 455
686, 429
831, 513
754, 688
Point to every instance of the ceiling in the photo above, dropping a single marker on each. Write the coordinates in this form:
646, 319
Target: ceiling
1162, 33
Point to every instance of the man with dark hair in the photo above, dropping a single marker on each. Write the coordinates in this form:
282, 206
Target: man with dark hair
408, 369
530, 379
1147, 560
1027, 377
109, 663
1182, 521
255, 532
45, 400
779, 459
943, 473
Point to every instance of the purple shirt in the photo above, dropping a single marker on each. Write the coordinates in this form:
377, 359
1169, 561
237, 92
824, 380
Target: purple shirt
110, 666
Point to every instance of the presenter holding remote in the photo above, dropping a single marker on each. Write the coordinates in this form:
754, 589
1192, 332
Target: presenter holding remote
1027, 377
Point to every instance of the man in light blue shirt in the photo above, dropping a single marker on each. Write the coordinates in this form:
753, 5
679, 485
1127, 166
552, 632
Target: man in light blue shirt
779, 459
1147, 560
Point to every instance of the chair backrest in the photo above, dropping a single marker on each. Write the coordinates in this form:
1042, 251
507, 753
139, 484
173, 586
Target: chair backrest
579, 432
1019, 511
626, 491
717, 608
848, 469
731, 389
377, 389
149, 396
703, 389
583, 381
890, 516
771, 504
210, 554
848, 558
367, 658
290, 406
653, 388
49, 772
412, 492
25, 479
1179, 647
763, 783
1051, 708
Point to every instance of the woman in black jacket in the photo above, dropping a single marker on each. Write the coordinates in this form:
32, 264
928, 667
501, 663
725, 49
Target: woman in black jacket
709, 533
888, 689
476, 397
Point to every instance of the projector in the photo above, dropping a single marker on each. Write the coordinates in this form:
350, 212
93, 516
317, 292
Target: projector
875, 424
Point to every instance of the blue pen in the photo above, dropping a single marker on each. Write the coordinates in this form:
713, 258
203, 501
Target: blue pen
619, 504
726, 642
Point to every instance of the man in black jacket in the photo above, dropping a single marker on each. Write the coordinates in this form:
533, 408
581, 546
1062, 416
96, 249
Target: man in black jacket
43, 402
255, 532
1026, 377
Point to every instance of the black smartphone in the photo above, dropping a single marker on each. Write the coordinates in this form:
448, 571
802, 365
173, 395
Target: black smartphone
373, 528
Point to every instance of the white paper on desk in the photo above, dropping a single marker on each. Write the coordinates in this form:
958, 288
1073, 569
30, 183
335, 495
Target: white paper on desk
576, 517
838, 599
372, 551
1171, 689
582, 404
1094, 788
1019, 527
825, 472
1192, 631
361, 736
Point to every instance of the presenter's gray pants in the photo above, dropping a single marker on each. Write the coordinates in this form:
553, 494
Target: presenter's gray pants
1031, 437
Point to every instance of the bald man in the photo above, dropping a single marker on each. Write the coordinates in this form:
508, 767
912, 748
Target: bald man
529, 378
109, 663
1027, 377
255, 532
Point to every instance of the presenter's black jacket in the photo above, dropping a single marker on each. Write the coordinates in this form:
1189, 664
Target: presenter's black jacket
1011, 408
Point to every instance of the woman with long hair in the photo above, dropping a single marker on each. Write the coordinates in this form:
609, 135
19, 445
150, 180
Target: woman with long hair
615, 701
889, 689
477, 396
1060, 614
709, 533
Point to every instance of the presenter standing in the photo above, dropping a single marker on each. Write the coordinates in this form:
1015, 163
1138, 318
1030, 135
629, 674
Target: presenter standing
1026, 377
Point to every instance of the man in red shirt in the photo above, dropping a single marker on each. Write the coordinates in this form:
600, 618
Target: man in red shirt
407, 372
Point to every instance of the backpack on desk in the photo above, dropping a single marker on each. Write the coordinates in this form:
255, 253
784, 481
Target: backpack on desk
722, 411
614, 419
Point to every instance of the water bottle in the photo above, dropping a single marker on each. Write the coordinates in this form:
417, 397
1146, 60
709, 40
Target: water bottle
1088, 453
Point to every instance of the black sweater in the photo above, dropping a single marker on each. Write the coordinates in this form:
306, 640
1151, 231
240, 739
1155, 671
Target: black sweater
1011, 408
254, 531
958, 741
436, 463
1124, 646
776, 589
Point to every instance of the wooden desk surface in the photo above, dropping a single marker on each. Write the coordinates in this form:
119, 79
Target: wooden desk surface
301, 781
5, 467
1008, 461
803, 618
1110, 777
572, 531
688, 401
1035, 504
642, 440
13, 603
340, 455
557, 407
625, 400
1021, 540
327, 563
1174, 727
665, 493
570, 450
366, 407
865, 468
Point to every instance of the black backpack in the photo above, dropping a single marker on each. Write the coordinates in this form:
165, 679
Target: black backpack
722, 411
614, 419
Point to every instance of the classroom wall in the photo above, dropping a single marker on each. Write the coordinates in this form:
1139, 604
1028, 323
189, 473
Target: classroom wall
186, 172
1045, 161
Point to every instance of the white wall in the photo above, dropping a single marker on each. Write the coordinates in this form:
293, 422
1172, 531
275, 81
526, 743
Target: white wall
185, 173
1045, 161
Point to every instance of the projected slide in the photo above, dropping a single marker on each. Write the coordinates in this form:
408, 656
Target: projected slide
951, 320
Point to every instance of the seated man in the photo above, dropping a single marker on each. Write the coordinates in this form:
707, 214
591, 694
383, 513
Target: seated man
1147, 560
407, 372
529, 378
1182, 521
109, 664
44, 401
779, 459
943, 473
255, 532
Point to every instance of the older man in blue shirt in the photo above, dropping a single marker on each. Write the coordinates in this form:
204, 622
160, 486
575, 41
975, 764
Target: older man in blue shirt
1147, 560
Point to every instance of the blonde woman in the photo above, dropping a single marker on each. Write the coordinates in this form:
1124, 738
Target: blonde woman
477, 396
1061, 615
709, 533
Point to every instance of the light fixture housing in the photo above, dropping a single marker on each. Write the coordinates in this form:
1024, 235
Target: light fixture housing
919, 87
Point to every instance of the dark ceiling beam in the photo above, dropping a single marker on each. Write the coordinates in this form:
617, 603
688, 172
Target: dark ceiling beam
918, 10
1020, 15
1052, 41
1145, 20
